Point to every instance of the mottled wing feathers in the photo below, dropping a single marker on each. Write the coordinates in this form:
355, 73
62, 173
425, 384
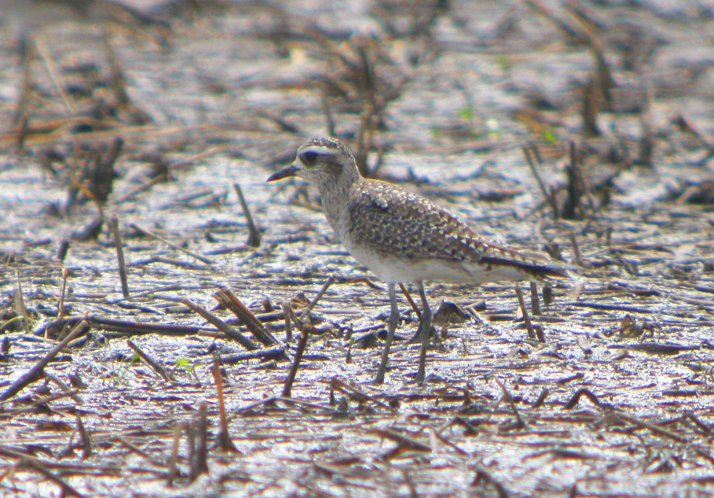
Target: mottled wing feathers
394, 221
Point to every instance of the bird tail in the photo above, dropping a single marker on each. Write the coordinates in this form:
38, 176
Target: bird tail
534, 266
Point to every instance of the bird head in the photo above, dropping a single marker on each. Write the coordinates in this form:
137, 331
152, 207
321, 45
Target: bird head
319, 161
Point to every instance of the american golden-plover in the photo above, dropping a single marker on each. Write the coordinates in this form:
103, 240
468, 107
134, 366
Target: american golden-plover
403, 237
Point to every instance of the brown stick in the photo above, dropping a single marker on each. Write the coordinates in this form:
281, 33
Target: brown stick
85, 438
660, 431
224, 437
271, 353
19, 304
320, 293
403, 439
221, 325
137, 328
410, 301
288, 322
33, 464
33, 373
575, 399
253, 233
226, 298
63, 386
199, 462
550, 199
535, 302
527, 319
114, 224
302, 344
149, 233
159, 369
63, 290
173, 459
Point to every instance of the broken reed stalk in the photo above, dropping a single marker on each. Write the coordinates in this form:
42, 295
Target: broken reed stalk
541, 398
149, 233
575, 399
62, 250
685, 125
224, 437
199, 462
230, 301
302, 344
84, 437
484, 476
191, 443
533, 332
127, 327
576, 250
159, 369
535, 302
656, 429
220, 325
589, 109
63, 290
351, 391
647, 140
288, 322
114, 224
410, 301
19, 304
272, 353
59, 383
135, 449
402, 440
327, 111
34, 464
579, 200
508, 397
603, 73
172, 470
43, 403
34, 373
253, 233
532, 156
573, 207
306, 312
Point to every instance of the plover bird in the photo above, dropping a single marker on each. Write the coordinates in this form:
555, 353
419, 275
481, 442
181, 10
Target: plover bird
403, 237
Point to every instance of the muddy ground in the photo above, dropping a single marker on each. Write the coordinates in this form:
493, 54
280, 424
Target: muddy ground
611, 101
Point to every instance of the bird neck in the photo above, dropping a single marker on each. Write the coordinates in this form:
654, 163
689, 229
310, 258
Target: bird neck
334, 195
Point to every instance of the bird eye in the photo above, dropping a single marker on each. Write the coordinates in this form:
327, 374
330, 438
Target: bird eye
308, 157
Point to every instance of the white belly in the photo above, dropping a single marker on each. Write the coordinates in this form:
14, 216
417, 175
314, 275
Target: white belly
393, 269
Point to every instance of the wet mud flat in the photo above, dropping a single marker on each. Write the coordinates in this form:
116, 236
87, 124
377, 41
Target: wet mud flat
582, 130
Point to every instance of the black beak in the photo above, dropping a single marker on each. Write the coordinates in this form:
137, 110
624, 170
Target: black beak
284, 173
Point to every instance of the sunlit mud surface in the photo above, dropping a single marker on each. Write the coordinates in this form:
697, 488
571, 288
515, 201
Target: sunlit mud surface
618, 399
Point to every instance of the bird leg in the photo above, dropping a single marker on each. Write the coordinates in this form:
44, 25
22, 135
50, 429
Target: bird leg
423, 332
391, 327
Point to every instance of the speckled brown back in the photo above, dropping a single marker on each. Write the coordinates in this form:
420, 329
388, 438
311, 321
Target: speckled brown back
394, 221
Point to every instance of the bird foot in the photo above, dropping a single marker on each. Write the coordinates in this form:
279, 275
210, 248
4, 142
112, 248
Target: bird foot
417, 337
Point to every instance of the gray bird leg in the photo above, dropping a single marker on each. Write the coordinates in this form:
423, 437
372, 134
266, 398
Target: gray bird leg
423, 333
391, 327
